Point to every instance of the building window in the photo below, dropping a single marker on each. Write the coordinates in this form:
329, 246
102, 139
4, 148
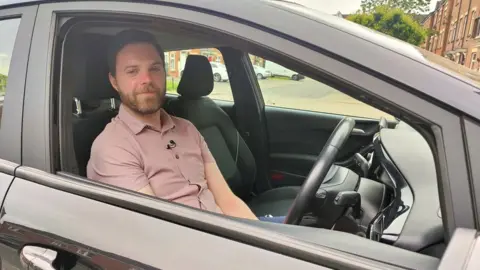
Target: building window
476, 31
172, 61
460, 30
454, 32
473, 60
472, 23
461, 59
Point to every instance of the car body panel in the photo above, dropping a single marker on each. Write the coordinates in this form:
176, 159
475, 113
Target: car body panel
48, 191
11, 122
7, 171
99, 233
92, 209
458, 212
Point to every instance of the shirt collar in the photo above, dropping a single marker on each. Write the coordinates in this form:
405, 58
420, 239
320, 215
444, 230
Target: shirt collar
137, 126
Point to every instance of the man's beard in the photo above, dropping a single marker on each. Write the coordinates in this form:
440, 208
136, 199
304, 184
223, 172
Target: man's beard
144, 104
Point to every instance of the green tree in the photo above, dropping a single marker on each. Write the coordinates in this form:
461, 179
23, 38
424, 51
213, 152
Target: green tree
408, 6
3, 84
393, 22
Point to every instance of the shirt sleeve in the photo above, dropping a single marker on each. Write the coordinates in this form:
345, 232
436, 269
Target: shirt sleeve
205, 151
116, 165
206, 154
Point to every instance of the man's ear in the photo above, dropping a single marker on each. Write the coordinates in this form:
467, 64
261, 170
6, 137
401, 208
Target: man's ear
113, 81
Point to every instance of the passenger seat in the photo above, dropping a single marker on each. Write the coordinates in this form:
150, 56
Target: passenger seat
96, 102
230, 151
88, 123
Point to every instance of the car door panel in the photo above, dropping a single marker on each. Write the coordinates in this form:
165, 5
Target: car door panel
37, 148
12, 104
110, 237
463, 251
7, 170
297, 137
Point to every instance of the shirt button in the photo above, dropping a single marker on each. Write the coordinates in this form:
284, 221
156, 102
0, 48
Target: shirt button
177, 157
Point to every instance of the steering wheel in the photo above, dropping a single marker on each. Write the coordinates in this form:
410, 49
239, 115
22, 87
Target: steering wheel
320, 169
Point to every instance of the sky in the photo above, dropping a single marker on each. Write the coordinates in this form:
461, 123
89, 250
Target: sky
333, 6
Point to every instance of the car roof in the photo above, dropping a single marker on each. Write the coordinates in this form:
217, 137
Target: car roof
364, 38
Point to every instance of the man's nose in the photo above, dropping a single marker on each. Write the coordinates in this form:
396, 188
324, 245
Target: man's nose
146, 77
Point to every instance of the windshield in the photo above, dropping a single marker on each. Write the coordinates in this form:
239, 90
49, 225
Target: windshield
419, 54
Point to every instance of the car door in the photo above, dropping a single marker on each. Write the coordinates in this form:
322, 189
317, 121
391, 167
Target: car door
58, 221
16, 26
463, 252
65, 213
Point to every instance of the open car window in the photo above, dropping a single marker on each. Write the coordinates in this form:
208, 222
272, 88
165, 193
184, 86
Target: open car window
8, 32
286, 88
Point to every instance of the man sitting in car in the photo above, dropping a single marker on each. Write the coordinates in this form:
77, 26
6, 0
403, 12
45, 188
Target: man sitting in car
147, 150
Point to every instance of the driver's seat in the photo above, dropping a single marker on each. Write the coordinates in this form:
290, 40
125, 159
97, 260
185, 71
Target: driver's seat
230, 151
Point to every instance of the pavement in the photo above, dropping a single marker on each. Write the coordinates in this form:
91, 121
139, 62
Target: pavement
306, 94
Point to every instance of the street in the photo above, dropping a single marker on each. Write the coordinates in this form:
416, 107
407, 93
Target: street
306, 94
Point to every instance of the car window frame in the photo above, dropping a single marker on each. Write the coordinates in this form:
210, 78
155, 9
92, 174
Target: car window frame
443, 121
11, 126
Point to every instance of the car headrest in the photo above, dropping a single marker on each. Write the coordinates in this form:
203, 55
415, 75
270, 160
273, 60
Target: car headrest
91, 69
197, 78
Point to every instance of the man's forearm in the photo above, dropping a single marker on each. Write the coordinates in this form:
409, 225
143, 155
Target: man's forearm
237, 208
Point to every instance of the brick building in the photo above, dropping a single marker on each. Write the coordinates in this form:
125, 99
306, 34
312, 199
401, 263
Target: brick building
175, 60
456, 27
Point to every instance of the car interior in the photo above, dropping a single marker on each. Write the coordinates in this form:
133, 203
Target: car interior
374, 178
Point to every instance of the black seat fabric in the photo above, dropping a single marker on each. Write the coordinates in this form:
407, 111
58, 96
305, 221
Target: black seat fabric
92, 87
230, 151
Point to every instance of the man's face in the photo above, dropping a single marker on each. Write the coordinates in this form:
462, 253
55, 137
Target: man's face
140, 78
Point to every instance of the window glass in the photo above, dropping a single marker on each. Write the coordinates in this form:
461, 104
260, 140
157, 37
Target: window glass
176, 65
282, 87
8, 33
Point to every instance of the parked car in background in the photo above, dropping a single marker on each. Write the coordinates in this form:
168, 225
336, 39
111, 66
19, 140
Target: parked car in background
220, 73
219, 70
281, 71
261, 72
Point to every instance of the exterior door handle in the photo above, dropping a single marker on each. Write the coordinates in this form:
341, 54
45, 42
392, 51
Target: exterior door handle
37, 258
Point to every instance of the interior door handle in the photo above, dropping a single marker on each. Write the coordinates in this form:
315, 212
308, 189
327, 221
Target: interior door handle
37, 258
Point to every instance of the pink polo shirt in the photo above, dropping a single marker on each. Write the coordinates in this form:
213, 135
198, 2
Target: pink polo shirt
131, 154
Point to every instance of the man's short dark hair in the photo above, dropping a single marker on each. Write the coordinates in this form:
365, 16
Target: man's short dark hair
127, 37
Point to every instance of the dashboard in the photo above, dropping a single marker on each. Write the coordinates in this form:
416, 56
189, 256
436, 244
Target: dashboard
409, 168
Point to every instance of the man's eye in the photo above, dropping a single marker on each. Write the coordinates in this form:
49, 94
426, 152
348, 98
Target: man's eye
131, 71
156, 68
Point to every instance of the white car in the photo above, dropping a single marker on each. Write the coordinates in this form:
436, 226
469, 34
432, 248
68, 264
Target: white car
220, 73
261, 72
281, 71
219, 70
